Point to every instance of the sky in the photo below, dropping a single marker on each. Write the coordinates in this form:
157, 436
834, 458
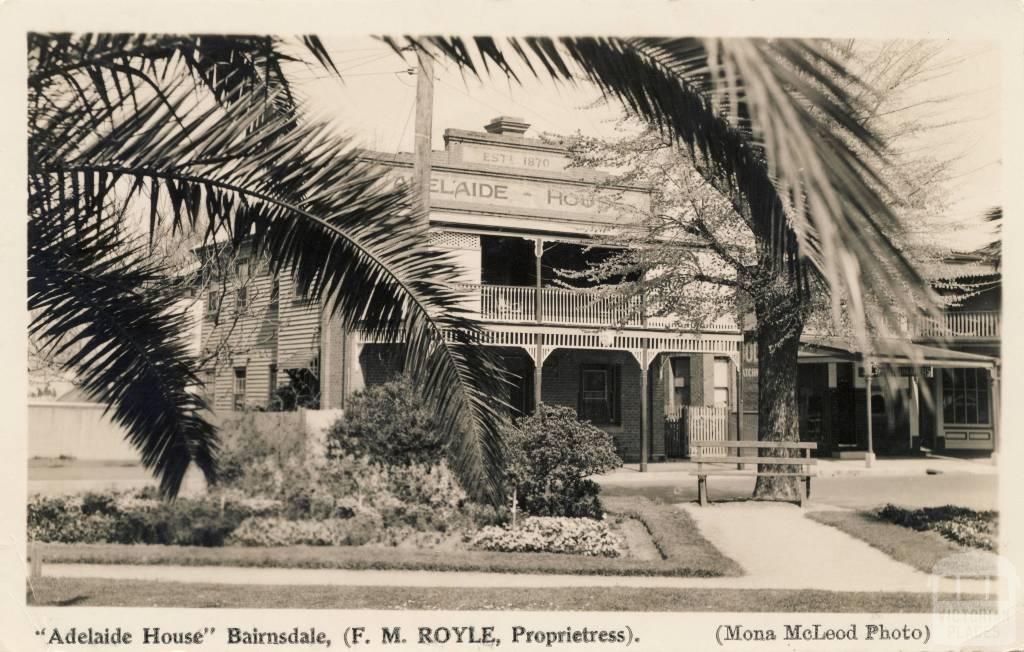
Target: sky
374, 102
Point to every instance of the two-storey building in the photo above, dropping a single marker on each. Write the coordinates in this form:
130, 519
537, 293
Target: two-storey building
512, 211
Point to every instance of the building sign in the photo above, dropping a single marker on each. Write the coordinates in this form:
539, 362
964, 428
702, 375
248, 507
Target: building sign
749, 375
604, 206
514, 158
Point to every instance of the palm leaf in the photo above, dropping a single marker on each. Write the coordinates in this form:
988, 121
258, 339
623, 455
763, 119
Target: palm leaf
306, 202
770, 119
95, 297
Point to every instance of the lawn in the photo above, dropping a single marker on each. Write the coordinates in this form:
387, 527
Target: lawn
684, 553
55, 591
921, 549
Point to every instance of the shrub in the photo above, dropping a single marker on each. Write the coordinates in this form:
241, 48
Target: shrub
961, 525
355, 531
550, 455
574, 536
135, 518
260, 452
390, 423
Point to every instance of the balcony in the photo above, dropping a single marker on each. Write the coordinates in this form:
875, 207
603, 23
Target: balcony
960, 326
564, 307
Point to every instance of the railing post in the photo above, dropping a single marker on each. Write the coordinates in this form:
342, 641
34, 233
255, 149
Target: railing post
644, 412
538, 254
538, 370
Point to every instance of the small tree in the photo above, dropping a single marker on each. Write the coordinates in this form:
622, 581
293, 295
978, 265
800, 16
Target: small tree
390, 423
550, 455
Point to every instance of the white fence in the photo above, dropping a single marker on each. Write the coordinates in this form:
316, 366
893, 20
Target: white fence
81, 431
706, 424
78, 430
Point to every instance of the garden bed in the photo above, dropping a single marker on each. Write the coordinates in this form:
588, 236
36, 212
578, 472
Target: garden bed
919, 548
683, 552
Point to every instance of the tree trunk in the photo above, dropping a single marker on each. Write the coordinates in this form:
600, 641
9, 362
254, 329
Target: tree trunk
779, 326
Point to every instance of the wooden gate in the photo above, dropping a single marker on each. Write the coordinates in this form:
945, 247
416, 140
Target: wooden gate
696, 423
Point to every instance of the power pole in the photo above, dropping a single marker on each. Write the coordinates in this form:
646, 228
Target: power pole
424, 125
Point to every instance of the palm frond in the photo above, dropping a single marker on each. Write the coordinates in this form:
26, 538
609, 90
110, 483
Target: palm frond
96, 297
305, 201
994, 250
772, 118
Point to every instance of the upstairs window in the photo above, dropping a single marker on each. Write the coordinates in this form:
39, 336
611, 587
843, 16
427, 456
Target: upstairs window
275, 292
213, 299
242, 281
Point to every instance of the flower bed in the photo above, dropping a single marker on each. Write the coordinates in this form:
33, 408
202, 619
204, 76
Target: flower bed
961, 525
139, 517
577, 536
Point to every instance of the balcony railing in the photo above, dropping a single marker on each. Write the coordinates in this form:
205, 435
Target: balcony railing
961, 325
518, 304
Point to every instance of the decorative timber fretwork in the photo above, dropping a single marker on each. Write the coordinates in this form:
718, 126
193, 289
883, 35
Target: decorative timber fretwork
540, 343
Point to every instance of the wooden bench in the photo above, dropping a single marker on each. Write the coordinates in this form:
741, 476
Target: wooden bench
699, 454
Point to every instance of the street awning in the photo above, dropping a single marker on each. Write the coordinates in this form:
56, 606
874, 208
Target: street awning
892, 351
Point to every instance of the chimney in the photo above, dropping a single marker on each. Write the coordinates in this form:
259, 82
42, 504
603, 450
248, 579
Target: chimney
507, 126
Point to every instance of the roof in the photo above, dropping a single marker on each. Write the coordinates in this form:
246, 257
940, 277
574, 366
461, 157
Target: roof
894, 351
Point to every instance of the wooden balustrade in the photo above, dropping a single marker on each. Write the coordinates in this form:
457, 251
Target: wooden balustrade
979, 325
517, 304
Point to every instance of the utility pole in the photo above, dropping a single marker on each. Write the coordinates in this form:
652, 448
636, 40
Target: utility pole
424, 126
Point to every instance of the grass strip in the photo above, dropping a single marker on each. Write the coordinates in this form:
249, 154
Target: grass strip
365, 558
94, 592
920, 549
674, 533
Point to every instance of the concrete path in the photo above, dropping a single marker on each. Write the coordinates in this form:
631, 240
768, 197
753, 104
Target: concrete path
777, 546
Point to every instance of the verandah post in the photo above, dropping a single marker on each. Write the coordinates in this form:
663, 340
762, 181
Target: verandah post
644, 416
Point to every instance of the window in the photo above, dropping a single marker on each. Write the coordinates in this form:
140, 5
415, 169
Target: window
275, 292
721, 395
680, 384
966, 396
242, 279
272, 381
238, 402
599, 396
298, 296
210, 385
213, 299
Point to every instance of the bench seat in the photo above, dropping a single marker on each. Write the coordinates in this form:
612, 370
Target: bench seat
733, 456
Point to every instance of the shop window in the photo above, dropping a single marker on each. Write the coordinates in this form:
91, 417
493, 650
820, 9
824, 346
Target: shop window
966, 396
238, 391
599, 395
